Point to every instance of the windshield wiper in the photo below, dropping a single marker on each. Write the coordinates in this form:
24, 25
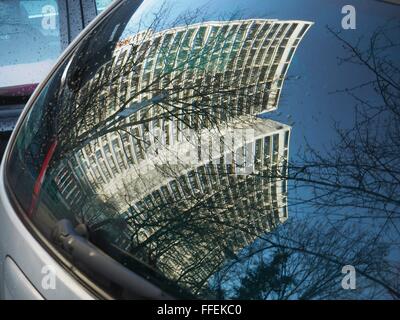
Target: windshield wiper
75, 242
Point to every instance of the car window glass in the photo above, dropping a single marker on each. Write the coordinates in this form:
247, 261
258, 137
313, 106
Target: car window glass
227, 150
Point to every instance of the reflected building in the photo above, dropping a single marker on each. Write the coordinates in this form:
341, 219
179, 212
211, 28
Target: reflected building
247, 146
210, 211
209, 79
256, 54
181, 214
209, 72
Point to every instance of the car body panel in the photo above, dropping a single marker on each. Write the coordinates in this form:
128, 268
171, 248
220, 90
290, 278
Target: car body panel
16, 284
29, 259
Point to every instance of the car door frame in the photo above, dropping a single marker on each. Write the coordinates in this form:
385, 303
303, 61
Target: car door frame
77, 14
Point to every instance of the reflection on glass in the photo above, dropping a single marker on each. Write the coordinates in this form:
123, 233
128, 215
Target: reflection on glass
160, 150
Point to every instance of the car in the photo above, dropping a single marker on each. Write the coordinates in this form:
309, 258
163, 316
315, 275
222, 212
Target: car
153, 161
46, 27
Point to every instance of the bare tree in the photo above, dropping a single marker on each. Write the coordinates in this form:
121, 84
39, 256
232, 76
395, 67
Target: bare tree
303, 259
357, 176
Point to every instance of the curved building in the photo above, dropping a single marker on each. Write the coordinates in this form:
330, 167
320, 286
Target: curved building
160, 83
133, 159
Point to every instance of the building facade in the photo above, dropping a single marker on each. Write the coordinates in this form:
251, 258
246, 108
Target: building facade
204, 81
208, 211
188, 77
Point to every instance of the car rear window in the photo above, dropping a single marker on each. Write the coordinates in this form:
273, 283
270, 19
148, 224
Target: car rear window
245, 151
29, 43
